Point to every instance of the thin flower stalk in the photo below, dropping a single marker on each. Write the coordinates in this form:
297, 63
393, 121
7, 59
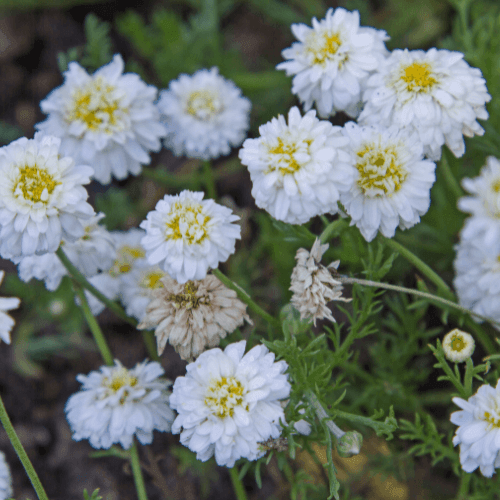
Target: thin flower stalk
21, 453
239, 489
137, 473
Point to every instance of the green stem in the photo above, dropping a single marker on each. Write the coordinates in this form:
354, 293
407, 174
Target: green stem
21, 453
209, 180
83, 282
420, 265
239, 489
137, 472
463, 489
150, 343
244, 297
331, 229
94, 327
482, 337
452, 182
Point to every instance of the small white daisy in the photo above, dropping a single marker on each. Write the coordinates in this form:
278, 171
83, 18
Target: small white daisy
436, 93
483, 202
186, 235
477, 275
91, 253
332, 61
5, 479
42, 198
108, 120
115, 403
205, 115
478, 433
392, 181
6, 322
297, 170
458, 345
228, 402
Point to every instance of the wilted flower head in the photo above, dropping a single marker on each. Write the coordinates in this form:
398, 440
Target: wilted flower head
313, 285
193, 316
479, 430
458, 345
107, 119
228, 403
115, 404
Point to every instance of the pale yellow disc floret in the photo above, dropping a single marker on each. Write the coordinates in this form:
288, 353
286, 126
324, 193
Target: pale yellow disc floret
281, 157
34, 184
187, 221
119, 379
380, 171
203, 104
152, 279
95, 105
223, 395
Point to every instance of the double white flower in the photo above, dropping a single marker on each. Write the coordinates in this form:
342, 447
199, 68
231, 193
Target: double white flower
435, 93
297, 169
107, 119
42, 198
228, 402
332, 61
186, 235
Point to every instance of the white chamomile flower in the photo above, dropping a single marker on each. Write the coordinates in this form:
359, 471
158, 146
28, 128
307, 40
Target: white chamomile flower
42, 198
205, 115
129, 251
436, 93
478, 433
108, 120
483, 202
5, 479
229, 401
90, 254
458, 345
392, 181
297, 169
477, 275
332, 61
186, 235
6, 322
115, 403
137, 289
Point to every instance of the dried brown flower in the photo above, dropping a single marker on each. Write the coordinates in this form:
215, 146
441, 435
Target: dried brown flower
193, 316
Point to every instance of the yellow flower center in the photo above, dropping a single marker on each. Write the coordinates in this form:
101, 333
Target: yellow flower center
496, 186
152, 280
494, 421
134, 252
283, 159
457, 343
188, 299
323, 46
380, 173
418, 77
126, 256
35, 184
95, 106
223, 395
187, 221
203, 104
120, 379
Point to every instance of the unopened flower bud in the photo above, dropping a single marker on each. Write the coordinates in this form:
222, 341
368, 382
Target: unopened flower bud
458, 345
349, 444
